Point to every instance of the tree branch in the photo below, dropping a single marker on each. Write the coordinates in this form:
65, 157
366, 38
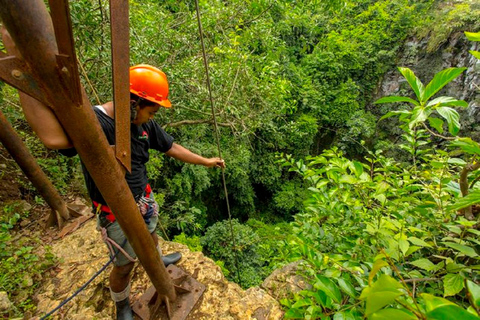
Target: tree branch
436, 134
463, 182
193, 122
260, 14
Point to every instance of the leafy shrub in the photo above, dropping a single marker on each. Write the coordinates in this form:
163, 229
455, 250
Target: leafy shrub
217, 244
21, 267
376, 236
193, 242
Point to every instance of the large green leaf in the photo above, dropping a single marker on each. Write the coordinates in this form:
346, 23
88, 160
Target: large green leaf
467, 145
436, 123
403, 245
447, 101
476, 54
419, 114
414, 82
442, 309
452, 117
452, 284
432, 302
396, 99
470, 199
394, 113
474, 290
380, 263
419, 242
424, 264
441, 79
473, 36
450, 312
468, 251
347, 287
329, 287
393, 314
345, 315
381, 293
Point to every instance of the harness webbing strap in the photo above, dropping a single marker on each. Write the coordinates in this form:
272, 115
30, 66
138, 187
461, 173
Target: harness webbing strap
106, 209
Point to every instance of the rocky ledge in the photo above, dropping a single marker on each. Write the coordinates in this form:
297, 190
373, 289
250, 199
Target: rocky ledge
82, 254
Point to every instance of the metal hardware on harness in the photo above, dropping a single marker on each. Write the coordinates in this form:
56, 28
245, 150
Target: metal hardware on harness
189, 291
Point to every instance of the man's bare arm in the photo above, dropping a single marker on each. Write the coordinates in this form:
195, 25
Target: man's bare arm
183, 154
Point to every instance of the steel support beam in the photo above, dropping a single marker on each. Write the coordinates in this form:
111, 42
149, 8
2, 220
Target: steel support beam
30, 27
17, 149
119, 26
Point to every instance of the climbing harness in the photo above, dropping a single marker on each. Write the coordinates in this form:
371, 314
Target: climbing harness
85, 285
217, 135
147, 206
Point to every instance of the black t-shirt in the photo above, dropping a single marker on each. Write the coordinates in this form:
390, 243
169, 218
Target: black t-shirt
147, 136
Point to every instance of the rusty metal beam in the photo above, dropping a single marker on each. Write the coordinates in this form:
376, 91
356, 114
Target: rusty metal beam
15, 146
30, 27
66, 58
119, 26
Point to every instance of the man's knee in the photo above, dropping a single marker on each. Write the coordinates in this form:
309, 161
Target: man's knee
123, 271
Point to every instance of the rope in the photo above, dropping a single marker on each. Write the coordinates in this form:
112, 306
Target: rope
217, 135
64, 302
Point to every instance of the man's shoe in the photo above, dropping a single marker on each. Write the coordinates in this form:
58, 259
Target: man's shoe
124, 311
171, 258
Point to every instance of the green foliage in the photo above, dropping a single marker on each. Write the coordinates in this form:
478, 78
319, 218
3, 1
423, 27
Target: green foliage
279, 71
283, 73
445, 20
192, 242
387, 239
21, 265
424, 108
369, 230
473, 37
259, 249
218, 244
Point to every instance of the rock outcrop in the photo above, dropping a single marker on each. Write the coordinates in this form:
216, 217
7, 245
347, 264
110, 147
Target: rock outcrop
286, 281
82, 254
452, 53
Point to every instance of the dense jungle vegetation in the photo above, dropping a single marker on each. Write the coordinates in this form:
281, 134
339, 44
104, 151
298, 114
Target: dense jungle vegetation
376, 197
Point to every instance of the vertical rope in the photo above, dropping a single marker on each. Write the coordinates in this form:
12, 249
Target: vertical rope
217, 135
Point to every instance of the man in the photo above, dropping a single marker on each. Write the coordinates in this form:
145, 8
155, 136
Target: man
149, 91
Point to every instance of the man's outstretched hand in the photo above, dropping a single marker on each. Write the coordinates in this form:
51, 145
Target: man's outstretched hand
215, 162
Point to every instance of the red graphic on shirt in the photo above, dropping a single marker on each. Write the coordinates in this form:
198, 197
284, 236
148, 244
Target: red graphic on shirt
144, 136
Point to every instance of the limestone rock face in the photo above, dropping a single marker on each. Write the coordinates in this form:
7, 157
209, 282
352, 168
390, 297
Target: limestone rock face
5, 304
83, 254
285, 281
425, 62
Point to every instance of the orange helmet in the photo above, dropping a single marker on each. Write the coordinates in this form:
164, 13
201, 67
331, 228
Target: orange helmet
149, 83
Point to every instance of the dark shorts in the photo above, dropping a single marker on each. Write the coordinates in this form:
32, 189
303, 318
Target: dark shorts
115, 233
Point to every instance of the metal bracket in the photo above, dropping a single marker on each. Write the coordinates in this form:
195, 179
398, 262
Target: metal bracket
189, 291
15, 72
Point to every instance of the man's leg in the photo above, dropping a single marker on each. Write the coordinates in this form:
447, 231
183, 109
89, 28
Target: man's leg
120, 290
120, 277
